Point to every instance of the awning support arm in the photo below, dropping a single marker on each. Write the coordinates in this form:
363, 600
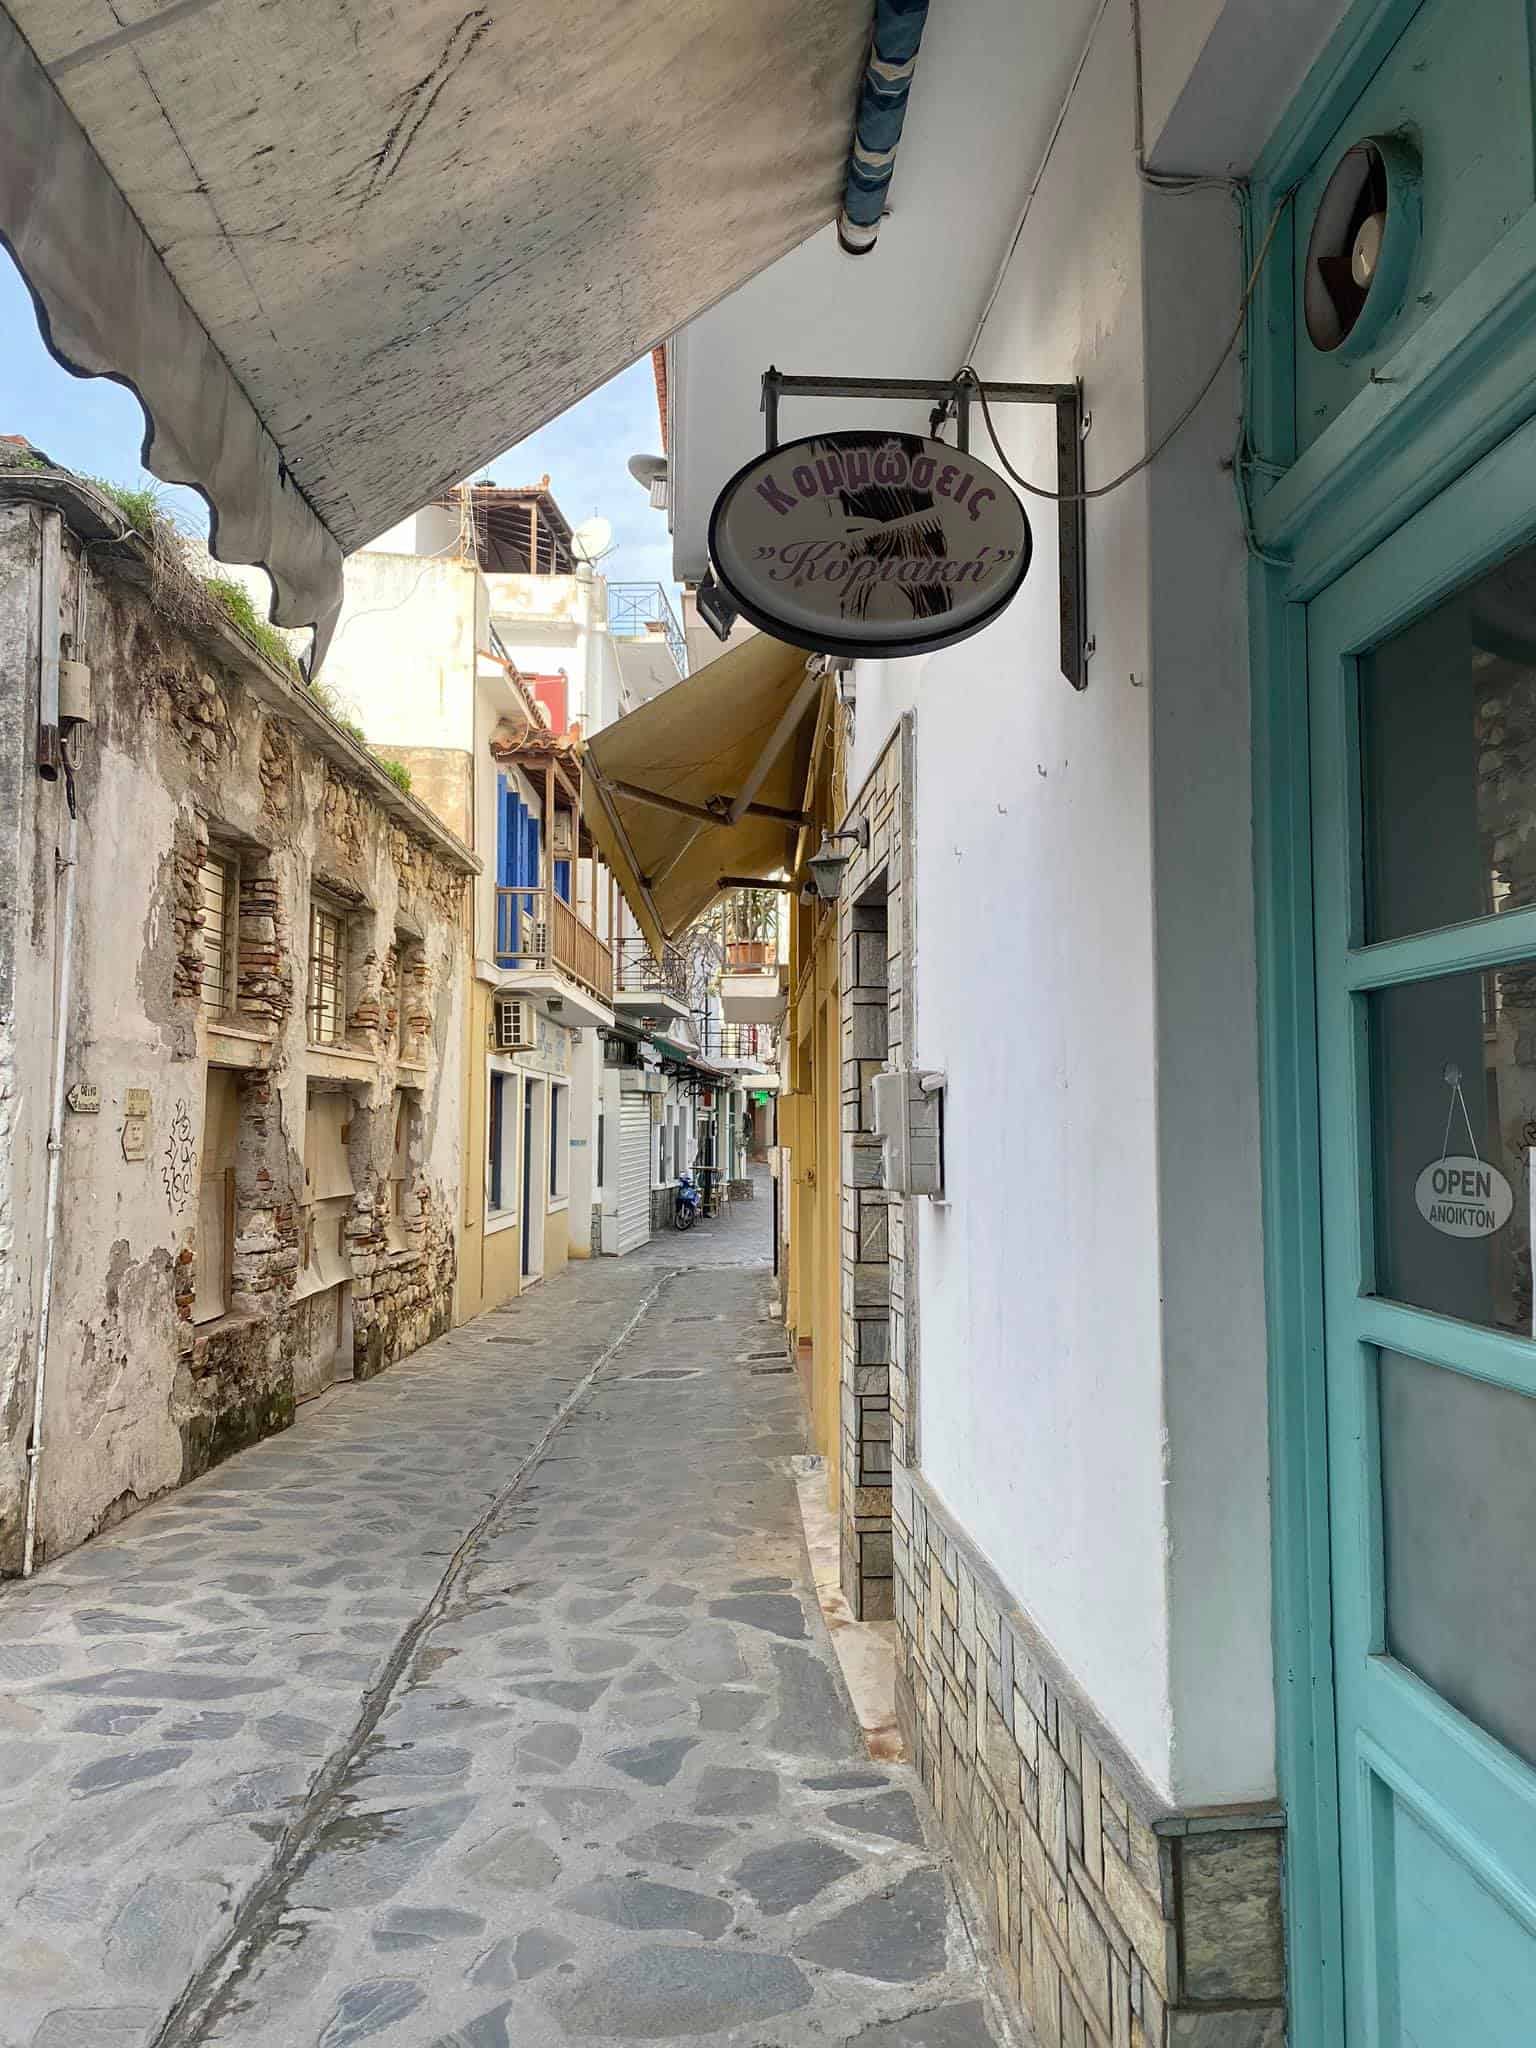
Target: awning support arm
703, 812
610, 810
789, 720
955, 393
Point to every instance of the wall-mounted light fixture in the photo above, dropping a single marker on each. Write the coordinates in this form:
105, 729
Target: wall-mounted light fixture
826, 864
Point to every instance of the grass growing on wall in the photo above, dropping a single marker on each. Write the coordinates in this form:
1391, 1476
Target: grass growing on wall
183, 592
141, 506
330, 703
144, 509
237, 602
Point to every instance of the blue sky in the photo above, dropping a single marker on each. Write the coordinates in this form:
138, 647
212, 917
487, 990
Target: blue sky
97, 427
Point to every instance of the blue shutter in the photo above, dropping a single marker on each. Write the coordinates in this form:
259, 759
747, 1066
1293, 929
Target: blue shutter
563, 880
503, 833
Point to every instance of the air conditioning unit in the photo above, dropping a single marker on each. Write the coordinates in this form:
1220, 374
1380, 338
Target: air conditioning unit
641, 1081
512, 1024
562, 838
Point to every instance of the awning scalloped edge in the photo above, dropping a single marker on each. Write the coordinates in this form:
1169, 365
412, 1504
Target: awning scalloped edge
108, 307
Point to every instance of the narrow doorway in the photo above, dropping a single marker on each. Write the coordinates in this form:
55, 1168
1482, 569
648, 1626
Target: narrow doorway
533, 1179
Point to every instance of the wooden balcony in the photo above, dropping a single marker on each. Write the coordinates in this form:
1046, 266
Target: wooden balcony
539, 931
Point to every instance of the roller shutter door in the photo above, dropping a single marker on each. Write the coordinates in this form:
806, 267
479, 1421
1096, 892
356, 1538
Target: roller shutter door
634, 1171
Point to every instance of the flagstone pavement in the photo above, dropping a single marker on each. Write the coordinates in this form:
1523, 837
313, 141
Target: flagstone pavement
488, 1707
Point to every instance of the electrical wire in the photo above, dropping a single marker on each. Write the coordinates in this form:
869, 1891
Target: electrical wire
1165, 181
969, 373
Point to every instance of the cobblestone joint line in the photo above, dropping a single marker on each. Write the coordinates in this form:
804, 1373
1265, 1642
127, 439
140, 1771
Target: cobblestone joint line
213, 1984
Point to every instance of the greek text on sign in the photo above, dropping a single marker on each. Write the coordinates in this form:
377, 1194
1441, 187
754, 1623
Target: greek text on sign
869, 543
1464, 1197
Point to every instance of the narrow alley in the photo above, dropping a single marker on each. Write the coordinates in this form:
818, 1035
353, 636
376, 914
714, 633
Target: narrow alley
489, 1704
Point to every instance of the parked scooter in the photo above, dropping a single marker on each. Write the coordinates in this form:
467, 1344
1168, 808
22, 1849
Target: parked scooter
688, 1203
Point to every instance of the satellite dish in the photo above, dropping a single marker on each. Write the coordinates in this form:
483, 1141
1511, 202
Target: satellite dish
592, 540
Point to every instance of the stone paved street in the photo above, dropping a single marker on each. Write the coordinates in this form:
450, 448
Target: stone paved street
487, 1707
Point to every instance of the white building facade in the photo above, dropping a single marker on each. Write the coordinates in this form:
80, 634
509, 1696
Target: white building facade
1214, 1703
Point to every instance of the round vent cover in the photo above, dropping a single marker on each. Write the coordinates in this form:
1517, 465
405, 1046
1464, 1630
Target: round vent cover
1361, 248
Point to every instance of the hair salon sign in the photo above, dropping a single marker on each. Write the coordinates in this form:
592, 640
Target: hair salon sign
869, 543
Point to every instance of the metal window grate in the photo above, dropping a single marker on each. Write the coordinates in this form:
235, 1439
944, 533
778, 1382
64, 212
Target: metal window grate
216, 886
323, 1007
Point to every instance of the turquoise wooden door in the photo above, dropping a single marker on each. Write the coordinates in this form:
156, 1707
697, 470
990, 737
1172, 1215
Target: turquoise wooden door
1422, 690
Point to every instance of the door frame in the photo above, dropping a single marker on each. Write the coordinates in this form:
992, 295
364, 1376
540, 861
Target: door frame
1465, 389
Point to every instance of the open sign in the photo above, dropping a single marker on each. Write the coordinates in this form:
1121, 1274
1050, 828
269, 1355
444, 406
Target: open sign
1463, 1197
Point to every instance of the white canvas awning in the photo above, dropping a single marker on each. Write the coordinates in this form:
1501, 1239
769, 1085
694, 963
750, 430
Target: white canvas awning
345, 253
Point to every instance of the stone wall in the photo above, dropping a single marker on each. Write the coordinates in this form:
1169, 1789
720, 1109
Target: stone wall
1121, 1922
198, 744
876, 1026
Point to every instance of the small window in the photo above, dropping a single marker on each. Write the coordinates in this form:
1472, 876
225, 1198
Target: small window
218, 893
216, 1196
397, 1222
324, 1008
602, 1148
559, 1141
405, 997
328, 1189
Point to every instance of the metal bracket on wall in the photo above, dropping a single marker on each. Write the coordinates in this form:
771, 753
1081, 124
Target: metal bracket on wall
953, 397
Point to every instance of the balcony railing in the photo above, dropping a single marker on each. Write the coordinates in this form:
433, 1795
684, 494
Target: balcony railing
636, 610
638, 972
535, 928
737, 1041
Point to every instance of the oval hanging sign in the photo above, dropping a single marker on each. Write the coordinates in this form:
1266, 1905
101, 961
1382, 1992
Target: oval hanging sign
1464, 1197
869, 543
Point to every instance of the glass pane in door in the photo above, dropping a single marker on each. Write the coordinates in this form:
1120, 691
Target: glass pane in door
1448, 751
1458, 1494
1454, 1098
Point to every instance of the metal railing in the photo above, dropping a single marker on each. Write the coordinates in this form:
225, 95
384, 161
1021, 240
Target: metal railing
535, 928
737, 1041
637, 971
635, 610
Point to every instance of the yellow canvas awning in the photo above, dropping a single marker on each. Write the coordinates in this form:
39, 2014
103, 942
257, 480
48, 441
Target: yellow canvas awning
703, 781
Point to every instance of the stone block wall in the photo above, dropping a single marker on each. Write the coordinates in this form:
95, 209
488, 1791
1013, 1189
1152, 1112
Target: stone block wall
1120, 1922
876, 1027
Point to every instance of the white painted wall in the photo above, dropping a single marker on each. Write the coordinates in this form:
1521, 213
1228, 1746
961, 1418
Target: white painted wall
994, 69
402, 661
1091, 1349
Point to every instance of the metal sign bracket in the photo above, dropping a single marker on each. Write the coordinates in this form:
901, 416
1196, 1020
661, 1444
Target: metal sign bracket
953, 397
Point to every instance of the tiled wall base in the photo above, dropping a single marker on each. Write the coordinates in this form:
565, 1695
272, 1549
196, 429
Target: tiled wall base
1120, 1923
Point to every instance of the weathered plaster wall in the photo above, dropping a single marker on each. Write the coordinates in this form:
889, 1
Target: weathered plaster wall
403, 656
139, 1397
25, 964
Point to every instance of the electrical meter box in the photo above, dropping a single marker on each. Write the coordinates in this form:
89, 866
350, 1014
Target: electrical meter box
909, 1121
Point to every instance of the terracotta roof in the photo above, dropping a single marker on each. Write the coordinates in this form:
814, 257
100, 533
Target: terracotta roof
659, 372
